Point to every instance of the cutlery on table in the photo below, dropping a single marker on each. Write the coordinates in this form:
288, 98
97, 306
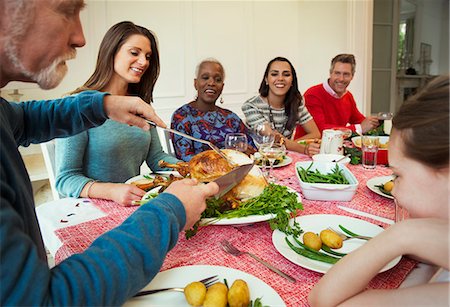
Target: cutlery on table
207, 282
365, 214
339, 160
231, 249
231, 179
345, 237
211, 145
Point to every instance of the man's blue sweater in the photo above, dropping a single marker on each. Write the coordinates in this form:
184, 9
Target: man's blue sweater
116, 265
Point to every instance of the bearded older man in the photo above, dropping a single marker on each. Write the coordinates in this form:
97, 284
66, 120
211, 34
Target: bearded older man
37, 38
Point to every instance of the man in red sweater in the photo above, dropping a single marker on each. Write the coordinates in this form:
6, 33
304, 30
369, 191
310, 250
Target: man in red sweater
331, 105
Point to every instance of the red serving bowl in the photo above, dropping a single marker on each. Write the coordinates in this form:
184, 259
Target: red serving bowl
382, 155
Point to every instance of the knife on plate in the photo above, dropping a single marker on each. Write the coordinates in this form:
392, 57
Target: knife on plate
231, 179
369, 215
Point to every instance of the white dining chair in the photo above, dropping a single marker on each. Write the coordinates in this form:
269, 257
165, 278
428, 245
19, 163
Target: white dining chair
48, 151
166, 142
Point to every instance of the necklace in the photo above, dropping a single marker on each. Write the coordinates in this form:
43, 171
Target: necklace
272, 121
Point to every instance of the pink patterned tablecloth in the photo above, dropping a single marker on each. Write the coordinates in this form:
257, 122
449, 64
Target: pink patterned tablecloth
204, 249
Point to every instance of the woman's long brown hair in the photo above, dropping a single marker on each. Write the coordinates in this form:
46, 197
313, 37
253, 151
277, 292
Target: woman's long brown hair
104, 69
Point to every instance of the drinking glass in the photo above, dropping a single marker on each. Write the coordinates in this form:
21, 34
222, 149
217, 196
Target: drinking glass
262, 134
369, 147
236, 141
385, 119
272, 153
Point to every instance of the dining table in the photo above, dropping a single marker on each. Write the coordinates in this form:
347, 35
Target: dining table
70, 225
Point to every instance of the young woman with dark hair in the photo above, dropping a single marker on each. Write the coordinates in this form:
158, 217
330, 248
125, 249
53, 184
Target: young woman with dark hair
281, 105
97, 162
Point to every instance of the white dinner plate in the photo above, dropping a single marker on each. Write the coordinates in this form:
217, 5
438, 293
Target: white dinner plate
163, 173
242, 221
181, 276
373, 182
286, 161
318, 222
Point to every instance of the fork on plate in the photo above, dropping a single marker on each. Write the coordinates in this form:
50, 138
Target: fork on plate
345, 237
231, 249
207, 282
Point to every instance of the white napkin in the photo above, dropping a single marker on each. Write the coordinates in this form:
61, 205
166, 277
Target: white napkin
62, 213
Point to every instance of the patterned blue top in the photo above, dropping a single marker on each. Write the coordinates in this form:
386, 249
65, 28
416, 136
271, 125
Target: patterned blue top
212, 126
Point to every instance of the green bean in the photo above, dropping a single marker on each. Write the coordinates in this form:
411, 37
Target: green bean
311, 255
330, 251
352, 234
318, 252
305, 246
335, 177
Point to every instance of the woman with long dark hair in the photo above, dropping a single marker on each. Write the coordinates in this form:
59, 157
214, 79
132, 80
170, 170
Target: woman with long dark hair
95, 163
280, 105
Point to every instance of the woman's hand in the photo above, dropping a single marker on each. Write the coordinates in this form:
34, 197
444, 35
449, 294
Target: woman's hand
121, 193
312, 149
125, 194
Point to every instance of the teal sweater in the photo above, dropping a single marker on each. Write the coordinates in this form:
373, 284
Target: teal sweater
116, 265
112, 152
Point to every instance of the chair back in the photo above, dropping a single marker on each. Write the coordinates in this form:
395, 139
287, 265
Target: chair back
166, 142
48, 151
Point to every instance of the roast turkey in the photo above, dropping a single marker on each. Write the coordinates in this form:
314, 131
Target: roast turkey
208, 166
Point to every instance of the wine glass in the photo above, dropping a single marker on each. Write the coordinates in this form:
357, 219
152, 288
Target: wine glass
236, 141
262, 134
272, 153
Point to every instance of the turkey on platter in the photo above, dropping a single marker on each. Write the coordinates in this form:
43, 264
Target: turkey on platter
209, 165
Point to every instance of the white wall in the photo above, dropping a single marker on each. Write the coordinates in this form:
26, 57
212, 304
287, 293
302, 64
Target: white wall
243, 35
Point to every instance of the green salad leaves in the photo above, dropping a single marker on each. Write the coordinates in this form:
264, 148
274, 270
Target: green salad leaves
275, 199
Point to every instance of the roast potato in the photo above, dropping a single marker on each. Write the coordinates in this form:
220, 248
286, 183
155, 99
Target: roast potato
195, 293
216, 296
331, 239
388, 186
312, 240
239, 294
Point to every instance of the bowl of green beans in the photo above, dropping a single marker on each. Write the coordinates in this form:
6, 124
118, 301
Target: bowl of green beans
326, 181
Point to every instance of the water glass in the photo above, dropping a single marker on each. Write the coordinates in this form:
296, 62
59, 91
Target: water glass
369, 147
272, 153
236, 141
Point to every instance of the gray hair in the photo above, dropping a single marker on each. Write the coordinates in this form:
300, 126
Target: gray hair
19, 11
209, 60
